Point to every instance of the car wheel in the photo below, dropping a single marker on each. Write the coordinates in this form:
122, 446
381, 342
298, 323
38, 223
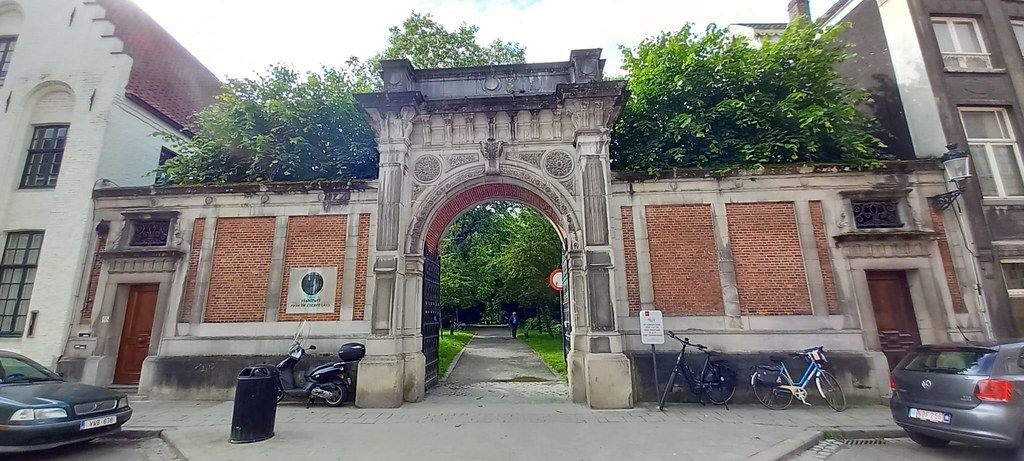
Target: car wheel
927, 440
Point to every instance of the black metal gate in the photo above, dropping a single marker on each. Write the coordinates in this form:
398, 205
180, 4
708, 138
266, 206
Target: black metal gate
566, 312
431, 326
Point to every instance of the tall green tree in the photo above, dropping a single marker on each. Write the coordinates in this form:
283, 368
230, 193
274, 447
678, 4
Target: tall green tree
714, 100
287, 126
499, 256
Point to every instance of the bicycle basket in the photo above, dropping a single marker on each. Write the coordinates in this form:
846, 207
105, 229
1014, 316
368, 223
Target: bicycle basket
764, 377
818, 355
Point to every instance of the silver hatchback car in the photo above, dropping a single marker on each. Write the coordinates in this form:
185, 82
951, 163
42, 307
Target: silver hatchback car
970, 393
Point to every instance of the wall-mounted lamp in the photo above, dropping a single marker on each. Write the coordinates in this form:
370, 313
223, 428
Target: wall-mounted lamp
957, 164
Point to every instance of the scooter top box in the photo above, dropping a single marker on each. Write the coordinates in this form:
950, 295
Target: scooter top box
350, 352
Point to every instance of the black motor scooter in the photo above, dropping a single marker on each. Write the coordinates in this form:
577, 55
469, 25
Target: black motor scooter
331, 382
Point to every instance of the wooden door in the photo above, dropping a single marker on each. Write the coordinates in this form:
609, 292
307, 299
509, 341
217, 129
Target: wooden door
894, 313
135, 335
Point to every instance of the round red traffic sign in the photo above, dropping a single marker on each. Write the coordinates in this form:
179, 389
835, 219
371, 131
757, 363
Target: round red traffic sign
556, 280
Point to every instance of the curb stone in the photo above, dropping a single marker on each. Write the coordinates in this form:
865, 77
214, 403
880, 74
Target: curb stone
794, 446
455, 360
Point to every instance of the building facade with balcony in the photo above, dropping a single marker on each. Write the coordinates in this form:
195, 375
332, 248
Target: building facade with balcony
84, 85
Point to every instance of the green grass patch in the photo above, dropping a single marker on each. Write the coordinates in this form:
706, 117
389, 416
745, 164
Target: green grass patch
449, 348
550, 350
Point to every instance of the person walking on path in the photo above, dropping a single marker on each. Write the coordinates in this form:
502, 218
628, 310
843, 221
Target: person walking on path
513, 323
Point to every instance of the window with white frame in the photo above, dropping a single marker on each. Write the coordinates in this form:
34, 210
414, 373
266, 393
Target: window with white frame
994, 151
1018, 31
1013, 273
960, 43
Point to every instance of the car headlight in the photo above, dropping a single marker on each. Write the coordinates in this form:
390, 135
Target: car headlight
30, 414
122, 402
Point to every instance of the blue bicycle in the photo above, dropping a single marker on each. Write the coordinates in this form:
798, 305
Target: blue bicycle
775, 389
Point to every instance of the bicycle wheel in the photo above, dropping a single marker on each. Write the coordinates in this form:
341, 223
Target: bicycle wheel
773, 397
829, 388
719, 382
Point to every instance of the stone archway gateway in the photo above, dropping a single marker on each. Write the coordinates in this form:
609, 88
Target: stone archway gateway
453, 138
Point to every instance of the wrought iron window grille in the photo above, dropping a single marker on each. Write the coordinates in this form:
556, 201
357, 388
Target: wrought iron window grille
150, 233
877, 214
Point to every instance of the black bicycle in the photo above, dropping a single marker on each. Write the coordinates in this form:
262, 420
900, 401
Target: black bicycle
716, 381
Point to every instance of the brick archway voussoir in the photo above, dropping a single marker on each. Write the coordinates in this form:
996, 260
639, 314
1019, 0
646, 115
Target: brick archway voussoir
476, 195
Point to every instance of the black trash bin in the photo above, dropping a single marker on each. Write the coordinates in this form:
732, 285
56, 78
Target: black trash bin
255, 404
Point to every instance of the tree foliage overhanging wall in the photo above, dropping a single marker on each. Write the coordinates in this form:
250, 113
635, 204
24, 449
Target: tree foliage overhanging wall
715, 100
707, 100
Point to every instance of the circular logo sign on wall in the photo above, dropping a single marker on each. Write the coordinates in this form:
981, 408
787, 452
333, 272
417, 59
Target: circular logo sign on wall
312, 283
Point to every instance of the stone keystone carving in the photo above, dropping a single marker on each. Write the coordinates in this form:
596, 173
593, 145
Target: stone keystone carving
492, 151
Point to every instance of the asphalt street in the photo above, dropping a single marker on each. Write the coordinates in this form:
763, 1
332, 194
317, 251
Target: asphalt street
105, 449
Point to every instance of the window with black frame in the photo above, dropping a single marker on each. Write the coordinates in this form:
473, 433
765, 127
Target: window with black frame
876, 214
149, 232
45, 153
6, 53
17, 275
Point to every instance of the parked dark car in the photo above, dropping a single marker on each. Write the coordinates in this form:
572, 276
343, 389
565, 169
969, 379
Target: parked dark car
970, 393
39, 410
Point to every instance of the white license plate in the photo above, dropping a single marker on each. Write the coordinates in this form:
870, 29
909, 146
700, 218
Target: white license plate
98, 422
932, 416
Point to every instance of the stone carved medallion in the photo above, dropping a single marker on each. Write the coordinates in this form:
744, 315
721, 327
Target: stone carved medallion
427, 168
558, 164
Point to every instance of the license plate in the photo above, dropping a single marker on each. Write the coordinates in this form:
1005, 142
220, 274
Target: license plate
98, 422
931, 416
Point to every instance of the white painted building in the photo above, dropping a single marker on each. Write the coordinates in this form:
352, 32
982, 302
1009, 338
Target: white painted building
84, 85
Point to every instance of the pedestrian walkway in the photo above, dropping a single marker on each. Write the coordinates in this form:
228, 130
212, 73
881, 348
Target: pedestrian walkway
500, 402
494, 367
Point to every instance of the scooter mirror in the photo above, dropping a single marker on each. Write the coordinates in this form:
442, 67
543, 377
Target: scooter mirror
312, 347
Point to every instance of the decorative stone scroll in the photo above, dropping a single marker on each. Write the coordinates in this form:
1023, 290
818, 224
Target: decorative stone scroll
458, 160
532, 158
427, 168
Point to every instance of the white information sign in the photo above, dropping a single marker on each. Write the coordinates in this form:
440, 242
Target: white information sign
652, 329
311, 290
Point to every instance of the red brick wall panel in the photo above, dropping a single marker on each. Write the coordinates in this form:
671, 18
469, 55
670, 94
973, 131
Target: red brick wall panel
362, 252
821, 241
629, 245
770, 274
684, 260
94, 280
947, 263
241, 270
314, 241
193, 269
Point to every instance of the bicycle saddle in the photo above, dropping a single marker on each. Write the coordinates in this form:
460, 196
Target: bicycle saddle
777, 358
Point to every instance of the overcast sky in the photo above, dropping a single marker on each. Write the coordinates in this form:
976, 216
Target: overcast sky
236, 38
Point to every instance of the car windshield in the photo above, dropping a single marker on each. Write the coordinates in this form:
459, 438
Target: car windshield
17, 370
963, 361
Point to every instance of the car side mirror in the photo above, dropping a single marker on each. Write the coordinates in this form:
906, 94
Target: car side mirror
312, 347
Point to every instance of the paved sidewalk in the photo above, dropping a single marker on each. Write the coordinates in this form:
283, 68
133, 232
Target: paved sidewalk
448, 428
500, 403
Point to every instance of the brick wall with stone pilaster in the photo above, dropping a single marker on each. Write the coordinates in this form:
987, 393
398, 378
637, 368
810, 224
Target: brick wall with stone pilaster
241, 270
629, 246
314, 241
94, 279
947, 262
684, 265
193, 269
362, 252
770, 272
821, 241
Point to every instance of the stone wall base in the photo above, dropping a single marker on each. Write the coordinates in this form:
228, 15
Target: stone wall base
608, 381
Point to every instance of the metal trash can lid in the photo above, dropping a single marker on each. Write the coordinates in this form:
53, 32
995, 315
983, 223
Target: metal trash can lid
258, 371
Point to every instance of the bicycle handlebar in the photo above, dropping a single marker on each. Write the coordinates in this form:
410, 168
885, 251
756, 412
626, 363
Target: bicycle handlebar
686, 341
